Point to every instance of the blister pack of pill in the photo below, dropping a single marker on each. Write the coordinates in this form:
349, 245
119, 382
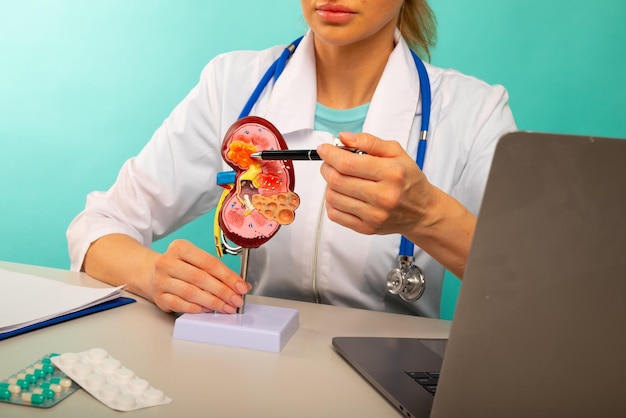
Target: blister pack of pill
39, 384
110, 382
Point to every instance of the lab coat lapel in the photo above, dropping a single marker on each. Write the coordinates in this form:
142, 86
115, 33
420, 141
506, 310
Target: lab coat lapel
292, 101
395, 102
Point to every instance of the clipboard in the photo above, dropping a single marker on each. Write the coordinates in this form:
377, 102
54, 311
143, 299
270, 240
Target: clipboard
114, 303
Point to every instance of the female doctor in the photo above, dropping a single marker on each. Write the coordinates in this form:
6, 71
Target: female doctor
352, 72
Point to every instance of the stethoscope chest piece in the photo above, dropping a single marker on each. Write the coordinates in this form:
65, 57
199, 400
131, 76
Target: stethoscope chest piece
406, 280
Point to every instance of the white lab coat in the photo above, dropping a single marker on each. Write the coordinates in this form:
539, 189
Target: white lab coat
172, 180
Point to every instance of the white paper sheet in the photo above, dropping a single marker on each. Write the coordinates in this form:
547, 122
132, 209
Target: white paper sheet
26, 299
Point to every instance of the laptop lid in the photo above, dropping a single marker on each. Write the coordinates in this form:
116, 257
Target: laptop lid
539, 328
539, 324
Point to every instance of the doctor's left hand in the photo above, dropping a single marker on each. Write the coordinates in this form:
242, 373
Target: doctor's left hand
380, 192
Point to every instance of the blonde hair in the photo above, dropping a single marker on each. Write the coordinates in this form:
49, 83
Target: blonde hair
418, 26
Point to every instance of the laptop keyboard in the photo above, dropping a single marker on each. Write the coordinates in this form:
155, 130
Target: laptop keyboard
427, 380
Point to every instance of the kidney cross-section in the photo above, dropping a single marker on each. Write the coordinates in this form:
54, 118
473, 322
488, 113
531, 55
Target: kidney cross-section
262, 197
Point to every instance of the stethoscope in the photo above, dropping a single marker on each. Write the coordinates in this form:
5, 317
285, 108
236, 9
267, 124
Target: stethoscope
406, 279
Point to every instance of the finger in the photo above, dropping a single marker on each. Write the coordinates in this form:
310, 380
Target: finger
178, 278
384, 192
212, 293
177, 275
350, 164
366, 166
345, 184
348, 219
208, 266
169, 302
371, 144
181, 296
354, 213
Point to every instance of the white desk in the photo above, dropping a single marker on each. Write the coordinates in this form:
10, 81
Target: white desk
306, 379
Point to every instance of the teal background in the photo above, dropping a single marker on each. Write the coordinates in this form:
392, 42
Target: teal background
84, 84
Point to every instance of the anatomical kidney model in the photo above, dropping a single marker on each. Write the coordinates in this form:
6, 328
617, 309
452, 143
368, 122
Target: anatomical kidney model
261, 199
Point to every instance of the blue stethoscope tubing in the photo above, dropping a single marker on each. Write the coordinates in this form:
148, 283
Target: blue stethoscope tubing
275, 70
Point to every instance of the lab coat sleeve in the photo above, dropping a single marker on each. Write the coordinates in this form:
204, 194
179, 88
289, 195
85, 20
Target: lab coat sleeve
170, 182
493, 119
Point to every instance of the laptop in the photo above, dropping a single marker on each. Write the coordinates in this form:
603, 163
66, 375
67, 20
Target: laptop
540, 324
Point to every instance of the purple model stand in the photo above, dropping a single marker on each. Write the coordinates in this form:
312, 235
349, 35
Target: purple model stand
260, 327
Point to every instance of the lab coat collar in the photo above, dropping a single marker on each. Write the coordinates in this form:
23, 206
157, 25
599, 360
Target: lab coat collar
392, 110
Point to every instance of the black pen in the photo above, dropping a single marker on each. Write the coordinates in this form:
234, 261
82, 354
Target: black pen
295, 154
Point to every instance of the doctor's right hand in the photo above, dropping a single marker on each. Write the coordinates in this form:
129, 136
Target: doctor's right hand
190, 280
